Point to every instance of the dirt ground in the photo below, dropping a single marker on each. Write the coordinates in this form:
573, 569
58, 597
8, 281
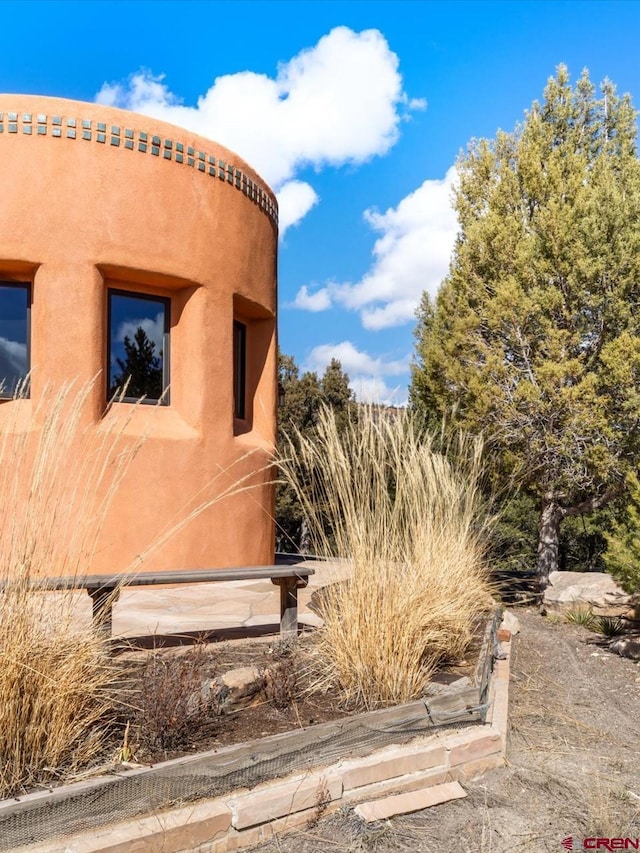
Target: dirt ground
174, 717
573, 762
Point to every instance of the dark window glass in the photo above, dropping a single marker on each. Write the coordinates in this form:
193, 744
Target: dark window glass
14, 336
138, 346
239, 368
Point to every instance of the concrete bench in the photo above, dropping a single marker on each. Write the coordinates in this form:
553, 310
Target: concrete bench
104, 589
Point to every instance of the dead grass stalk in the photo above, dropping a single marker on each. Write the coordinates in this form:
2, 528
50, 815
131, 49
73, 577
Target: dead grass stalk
58, 683
410, 523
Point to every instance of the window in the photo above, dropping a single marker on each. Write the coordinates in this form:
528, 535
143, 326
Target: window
138, 339
239, 369
15, 303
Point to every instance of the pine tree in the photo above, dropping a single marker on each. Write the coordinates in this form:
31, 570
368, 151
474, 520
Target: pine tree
141, 369
304, 395
534, 336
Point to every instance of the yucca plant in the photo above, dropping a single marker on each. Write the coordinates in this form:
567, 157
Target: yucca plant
582, 616
609, 626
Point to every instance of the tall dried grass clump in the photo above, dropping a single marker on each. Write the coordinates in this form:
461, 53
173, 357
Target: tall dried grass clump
56, 679
58, 683
410, 525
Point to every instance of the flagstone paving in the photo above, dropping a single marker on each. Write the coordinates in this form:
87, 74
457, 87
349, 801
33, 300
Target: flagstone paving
227, 606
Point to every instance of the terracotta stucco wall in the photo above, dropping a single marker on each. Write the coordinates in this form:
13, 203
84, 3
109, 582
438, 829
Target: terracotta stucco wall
84, 207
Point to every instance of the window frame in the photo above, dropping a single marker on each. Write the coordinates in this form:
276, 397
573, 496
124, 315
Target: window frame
166, 349
239, 370
26, 388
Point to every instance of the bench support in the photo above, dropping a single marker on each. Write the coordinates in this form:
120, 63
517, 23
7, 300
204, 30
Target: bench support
102, 601
289, 604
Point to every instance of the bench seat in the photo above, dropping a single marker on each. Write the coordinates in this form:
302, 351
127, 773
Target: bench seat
104, 589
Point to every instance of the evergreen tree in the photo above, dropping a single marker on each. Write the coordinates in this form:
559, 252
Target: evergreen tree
304, 395
141, 368
623, 540
336, 393
534, 336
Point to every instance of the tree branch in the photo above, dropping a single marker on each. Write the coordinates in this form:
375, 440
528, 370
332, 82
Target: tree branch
596, 502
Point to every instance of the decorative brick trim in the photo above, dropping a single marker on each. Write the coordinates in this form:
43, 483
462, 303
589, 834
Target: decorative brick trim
141, 142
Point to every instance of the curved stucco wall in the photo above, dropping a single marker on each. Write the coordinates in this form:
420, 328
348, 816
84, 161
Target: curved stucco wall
94, 197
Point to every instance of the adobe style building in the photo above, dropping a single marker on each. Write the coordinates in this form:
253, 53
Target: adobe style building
130, 247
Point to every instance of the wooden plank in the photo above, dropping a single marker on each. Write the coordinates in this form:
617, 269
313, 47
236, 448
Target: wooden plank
170, 577
485, 658
454, 707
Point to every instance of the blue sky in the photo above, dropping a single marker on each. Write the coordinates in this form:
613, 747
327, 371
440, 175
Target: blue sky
355, 113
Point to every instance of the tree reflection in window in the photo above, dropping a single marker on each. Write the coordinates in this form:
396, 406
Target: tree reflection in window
138, 346
14, 338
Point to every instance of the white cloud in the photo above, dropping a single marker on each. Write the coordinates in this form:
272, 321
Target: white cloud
318, 301
154, 330
373, 389
417, 104
338, 102
365, 371
295, 200
13, 359
353, 360
411, 255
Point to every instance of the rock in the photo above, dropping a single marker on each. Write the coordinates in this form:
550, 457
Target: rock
510, 622
237, 688
596, 590
627, 647
436, 688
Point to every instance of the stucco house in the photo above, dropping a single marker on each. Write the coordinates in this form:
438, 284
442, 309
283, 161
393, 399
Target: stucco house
130, 247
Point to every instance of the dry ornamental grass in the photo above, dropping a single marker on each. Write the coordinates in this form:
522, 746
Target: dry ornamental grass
59, 687
55, 680
410, 524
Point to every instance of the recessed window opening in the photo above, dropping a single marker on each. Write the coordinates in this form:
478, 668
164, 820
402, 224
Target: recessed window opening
239, 369
138, 341
15, 305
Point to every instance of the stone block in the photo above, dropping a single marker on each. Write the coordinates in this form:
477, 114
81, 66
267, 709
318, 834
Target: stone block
239, 840
476, 744
180, 829
598, 590
398, 785
391, 762
475, 769
271, 801
500, 699
439, 688
510, 622
410, 802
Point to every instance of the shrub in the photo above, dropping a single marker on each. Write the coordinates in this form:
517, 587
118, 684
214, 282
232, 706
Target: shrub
171, 699
610, 626
410, 526
282, 675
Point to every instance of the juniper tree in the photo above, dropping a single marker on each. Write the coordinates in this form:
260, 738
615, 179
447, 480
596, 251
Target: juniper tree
304, 396
534, 336
141, 369
623, 540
